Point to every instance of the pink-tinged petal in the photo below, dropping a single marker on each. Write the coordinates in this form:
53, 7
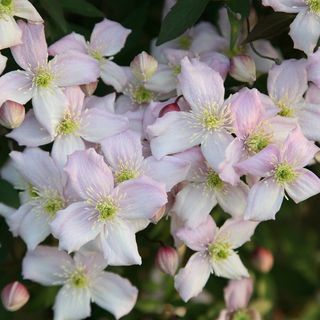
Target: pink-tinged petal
75, 97
163, 81
72, 303
36, 166
313, 94
75, 226
88, 259
313, 68
33, 52
3, 63
30, 133
104, 103
247, 109
198, 238
24, 9
264, 201
15, 86
14, 219
260, 164
171, 134
169, 170
233, 199
114, 293
190, 280
305, 41
119, 244
113, 75
133, 195
74, 68
124, 149
214, 148
45, 265
72, 41
88, 174
217, 61
291, 6
97, 124
281, 127
230, 268
64, 146
108, 37
194, 203
34, 227
288, 82
237, 231
237, 294
10, 33
297, 149
306, 185
234, 153
309, 121
49, 106
201, 86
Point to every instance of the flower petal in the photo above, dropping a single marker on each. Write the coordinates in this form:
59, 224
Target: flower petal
72, 41
114, 293
24, 9
10, 33
113, 75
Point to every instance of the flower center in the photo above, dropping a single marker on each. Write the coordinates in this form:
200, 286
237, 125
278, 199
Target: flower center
176, 69
219, 250
67, 126
210, 121
107, 209
53, 205
43, 78
257, 141
284, 173
185, 42
240, 315
96, 55
285, 110
314, 6
6, 8
142, 95
79, 279
125, 174
213, 181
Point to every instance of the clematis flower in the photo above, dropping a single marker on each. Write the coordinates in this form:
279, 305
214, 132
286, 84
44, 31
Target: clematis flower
237, 295
111, 215
124, 155
10, 34
107, 39
45, 195
83, 280
305, 28
3, 62
207, 123
74, 124
283, 169
204, 190
287, 83
42, 80
215, 254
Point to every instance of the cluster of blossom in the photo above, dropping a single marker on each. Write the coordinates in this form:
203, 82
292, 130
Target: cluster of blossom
167, 143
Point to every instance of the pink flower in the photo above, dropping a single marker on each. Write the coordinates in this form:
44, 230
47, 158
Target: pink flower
14, 296
83, 280
283, 169
215, 254
111, 214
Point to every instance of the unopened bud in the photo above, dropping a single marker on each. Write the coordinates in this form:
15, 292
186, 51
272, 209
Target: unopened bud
167, 260
262, 259
14, 296
11, 114
243, 68
90, 88
168, 108
144, 66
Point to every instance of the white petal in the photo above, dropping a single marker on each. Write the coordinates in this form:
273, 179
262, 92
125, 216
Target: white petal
113, 75
24, 9
10, 34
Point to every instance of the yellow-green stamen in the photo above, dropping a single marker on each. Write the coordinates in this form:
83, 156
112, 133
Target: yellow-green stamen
285, 110
142, 95
185, 42
107, 209
6, 8
43, 78
314, 6
67, 126
241, 315
52, 205
79, 279
219, 251
213, 181
125, 174
284, 173
210, 121
257, 142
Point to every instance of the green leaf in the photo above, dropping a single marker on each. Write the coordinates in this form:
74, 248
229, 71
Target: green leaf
270, 26
82, 7
182, 16
55, 11
240, 6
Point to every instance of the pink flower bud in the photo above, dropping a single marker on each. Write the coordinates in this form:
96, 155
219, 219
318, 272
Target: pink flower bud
14, 296
11, 114
168, 108
243, 68
90, 88
167, 260
144, 66
262, 259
